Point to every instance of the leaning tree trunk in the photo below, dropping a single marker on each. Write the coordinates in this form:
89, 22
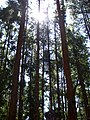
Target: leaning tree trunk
14, 92
70, 90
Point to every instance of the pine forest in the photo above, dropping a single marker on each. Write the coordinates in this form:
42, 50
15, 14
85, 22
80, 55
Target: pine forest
45, 60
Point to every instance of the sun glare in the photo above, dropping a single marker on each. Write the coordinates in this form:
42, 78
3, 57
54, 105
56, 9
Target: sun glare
39, 16
3, 3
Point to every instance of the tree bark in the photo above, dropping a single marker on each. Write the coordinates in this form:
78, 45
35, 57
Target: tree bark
14, 92
22, 82
36, 116
70, 90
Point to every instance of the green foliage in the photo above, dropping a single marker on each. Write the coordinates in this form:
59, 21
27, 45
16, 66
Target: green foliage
78, 51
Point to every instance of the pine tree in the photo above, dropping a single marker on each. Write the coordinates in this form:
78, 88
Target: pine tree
70, 90
14, 92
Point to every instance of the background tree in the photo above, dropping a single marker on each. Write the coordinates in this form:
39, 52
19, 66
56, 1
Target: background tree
41, 77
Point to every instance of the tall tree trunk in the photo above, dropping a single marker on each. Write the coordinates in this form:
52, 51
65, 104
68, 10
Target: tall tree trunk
49, 64
37, 79
57, 75
43, 85
36, 117
62, 96
30, 94
14, 92
70, 90
22, 82
65, 95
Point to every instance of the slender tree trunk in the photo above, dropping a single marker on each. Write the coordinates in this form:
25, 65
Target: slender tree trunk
49, 64
14, 92
29, 91
57, 70
65, 96
36, 117
43, 85
37, 78
22, 82
30, 95
62, 96
70, 90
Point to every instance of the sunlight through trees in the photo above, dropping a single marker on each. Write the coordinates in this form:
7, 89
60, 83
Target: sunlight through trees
44, 60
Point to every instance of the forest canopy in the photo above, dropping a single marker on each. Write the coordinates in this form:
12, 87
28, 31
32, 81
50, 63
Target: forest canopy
45, 60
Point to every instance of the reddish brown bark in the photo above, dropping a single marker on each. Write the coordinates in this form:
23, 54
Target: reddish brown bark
22, 83
14, 92
70, 90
